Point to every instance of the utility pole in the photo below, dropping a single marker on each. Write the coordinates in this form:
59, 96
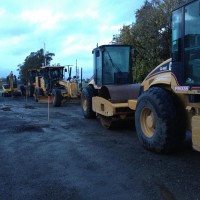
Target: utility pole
77, 71
44, 55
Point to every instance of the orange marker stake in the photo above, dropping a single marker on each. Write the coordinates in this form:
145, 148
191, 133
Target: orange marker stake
49, 99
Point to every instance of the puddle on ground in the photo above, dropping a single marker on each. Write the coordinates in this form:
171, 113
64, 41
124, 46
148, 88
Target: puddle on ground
6, 109
29, 107
30, 128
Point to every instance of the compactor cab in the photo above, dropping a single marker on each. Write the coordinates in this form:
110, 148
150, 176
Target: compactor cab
112, 65
186, 45
50, 82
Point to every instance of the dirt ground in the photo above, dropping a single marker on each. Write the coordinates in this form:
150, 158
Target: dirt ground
72, 158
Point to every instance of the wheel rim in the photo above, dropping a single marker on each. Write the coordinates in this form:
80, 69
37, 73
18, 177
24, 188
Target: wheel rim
147, 121
84, 103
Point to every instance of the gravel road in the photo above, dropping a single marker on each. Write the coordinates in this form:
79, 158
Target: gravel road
73, 158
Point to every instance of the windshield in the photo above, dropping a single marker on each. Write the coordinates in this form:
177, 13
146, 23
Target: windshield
192, 44
57, 73
116, 62
52, 73
176, 35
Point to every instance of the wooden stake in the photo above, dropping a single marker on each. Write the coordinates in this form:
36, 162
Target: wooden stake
49, 98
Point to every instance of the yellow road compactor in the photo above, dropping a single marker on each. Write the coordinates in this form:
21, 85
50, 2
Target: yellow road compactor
167, 103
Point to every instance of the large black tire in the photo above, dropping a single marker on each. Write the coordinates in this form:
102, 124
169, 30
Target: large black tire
38, 92
159, 120
56, 98
23, 90
31, 89
36, 96
106, 122
86, 102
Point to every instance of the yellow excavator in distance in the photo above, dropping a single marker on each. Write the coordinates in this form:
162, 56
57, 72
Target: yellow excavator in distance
50, 82
10, 88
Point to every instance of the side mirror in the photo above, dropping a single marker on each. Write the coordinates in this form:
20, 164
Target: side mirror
97, 53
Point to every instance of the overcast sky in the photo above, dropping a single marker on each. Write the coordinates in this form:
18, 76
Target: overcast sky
68, 28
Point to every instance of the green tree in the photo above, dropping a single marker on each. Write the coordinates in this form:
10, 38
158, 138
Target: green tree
150, 35
34, 61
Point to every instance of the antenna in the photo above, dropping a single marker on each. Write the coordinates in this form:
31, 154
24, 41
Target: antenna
44, 55
69, 71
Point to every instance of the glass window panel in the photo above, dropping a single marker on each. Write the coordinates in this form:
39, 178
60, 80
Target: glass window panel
115, 60
192, 44
176, 35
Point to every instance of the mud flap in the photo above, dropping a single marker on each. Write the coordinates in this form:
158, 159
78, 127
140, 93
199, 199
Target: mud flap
196, 132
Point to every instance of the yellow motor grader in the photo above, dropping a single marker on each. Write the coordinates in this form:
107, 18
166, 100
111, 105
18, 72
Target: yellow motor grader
167, 103
50, 82
10, 88
31, 77
29, 88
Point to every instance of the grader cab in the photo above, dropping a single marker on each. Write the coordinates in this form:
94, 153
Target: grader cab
50, 82
166, 104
